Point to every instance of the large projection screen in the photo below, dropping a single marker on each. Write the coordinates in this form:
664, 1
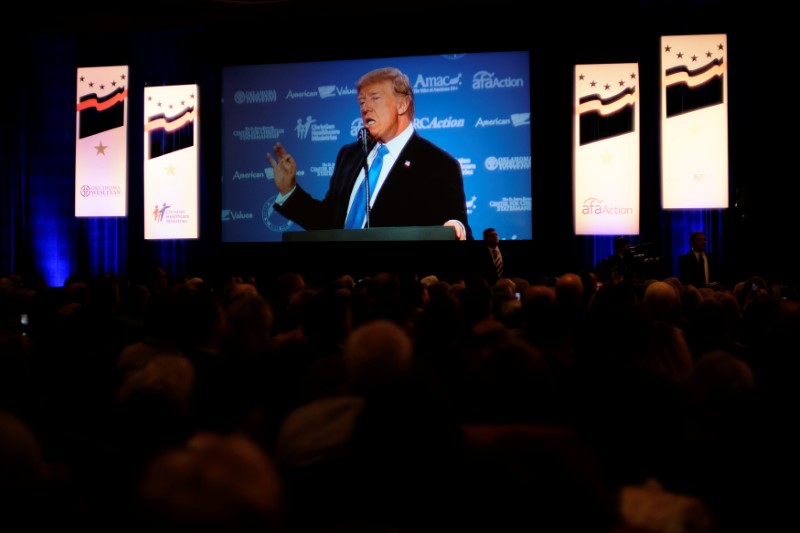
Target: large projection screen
475, 106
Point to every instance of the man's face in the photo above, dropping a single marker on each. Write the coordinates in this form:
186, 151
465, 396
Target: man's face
382, 112
491, 238
699, 243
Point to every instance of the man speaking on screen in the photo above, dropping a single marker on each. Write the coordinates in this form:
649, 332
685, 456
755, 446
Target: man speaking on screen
412, 182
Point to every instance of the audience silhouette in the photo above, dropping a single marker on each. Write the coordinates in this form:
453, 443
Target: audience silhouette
395, 403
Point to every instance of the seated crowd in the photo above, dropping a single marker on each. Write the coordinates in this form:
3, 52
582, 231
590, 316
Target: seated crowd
395, 403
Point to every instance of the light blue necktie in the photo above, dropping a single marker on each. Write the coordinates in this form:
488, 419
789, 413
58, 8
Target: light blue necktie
358, 211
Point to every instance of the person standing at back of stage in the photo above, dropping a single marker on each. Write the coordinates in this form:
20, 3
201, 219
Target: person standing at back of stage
491, 265
697, 267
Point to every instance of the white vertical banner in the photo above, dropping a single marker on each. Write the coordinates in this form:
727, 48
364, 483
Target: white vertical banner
606, 149
101, 142
694, 121
171, 151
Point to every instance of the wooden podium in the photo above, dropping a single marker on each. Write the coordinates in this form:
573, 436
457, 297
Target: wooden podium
406, 233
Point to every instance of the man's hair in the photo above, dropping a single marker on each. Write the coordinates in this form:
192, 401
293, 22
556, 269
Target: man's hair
487, 231
400, 83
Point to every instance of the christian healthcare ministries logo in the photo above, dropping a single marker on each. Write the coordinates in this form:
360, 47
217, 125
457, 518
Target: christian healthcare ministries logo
159, 212
319, 132
170, 215
304, 126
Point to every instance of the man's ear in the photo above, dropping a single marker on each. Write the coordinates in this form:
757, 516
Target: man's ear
402, 107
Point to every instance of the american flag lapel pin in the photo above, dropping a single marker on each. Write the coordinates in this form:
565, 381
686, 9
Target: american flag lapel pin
407, 163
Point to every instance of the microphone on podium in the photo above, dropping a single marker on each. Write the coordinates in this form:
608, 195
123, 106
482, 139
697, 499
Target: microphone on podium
365, 138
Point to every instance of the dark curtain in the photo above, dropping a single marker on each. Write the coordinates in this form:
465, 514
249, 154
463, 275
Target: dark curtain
41, 237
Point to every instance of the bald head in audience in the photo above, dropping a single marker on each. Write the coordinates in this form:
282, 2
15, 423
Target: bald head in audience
215, 483
375, 353
569, 289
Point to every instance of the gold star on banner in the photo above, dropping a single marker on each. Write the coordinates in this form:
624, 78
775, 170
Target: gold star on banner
101, 150
171, 170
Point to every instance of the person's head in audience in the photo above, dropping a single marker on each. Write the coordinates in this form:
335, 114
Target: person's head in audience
22, 463
662, 301
234, 289
376, 353
155, 404
538, 294
504, 299
513, 384
248, 324
723, 390
327, 319
24, 477
214, 483
198, 320
569, 290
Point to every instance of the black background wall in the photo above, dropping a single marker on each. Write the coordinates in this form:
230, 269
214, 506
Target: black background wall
189, 42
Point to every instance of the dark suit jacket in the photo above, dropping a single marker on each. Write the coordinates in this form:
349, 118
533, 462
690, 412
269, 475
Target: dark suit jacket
690, 270
424, 188
484, 263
